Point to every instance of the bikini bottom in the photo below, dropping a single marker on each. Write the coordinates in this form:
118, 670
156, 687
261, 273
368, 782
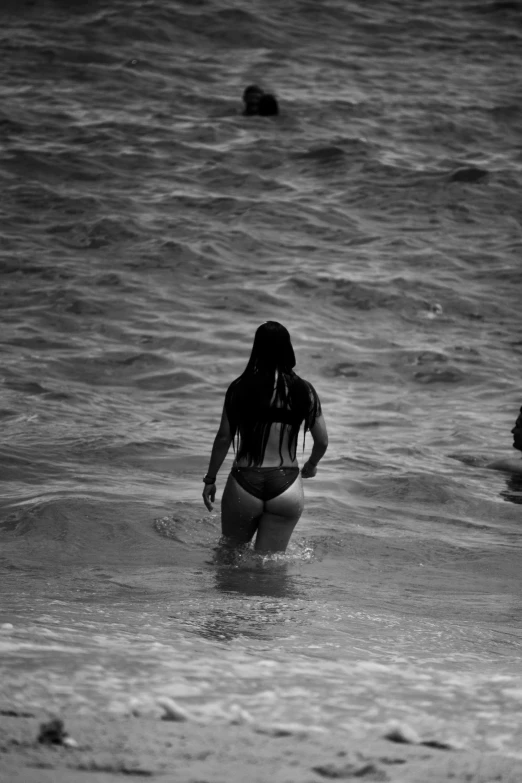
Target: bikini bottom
265, 483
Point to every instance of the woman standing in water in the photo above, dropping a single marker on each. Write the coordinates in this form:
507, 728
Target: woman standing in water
262, 415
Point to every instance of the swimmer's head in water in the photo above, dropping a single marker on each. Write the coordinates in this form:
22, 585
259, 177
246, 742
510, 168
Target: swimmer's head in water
517, 432
272, 348
251, 97
267, 106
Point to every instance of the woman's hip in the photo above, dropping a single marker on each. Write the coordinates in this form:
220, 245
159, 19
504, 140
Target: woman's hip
266, 483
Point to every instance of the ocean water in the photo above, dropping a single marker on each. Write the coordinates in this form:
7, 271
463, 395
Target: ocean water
146, 230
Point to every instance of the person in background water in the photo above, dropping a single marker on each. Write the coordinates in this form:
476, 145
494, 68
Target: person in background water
262, 415
512, 465
259, 103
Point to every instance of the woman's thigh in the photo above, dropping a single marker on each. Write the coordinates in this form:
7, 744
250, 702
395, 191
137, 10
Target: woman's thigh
240, 512
279, 519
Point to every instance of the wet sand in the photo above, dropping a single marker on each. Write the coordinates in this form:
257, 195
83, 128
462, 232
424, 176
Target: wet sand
110, 748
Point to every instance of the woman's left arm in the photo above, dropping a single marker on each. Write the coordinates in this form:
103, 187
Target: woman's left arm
220, 449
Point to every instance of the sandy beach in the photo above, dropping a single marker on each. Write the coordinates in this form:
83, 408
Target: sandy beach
106, 748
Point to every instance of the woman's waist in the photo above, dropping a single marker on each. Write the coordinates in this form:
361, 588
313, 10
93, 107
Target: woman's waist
266, 465
274, 455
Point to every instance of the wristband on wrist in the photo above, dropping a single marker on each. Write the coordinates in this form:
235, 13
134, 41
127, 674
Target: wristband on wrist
209, 479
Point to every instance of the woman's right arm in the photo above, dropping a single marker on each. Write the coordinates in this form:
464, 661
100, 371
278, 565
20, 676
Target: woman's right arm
320, 438
220, 449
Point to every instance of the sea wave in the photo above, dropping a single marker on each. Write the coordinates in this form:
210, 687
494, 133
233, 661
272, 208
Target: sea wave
146, 229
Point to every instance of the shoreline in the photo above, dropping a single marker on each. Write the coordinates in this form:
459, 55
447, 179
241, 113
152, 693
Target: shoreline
104, 748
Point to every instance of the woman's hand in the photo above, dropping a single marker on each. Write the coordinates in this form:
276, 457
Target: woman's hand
209, 495
308, 470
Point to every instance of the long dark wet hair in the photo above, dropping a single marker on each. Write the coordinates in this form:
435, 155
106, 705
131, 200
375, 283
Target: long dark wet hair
269, 390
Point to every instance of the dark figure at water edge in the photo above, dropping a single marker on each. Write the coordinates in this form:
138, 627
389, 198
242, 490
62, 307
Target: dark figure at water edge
259, 103
262, 415
512, 465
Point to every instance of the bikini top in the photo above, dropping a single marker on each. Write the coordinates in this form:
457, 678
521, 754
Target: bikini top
245, 409
279, 415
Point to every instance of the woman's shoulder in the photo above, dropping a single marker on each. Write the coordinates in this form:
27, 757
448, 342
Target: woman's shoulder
298, 380
234, 384
306, 399
304, 387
